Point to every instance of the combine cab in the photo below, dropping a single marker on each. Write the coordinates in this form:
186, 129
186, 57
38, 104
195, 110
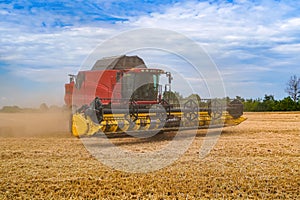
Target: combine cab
120, 94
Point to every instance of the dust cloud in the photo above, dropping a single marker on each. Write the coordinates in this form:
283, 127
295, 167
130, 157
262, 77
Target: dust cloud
34, 124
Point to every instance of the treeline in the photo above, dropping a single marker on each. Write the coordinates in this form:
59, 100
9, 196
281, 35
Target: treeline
268, 103
43, 108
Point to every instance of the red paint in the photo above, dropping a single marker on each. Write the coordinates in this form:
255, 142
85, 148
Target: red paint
104, 84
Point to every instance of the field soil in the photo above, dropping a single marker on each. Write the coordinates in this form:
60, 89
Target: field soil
260, 158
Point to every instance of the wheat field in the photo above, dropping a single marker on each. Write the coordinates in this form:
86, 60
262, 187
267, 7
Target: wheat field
258, 159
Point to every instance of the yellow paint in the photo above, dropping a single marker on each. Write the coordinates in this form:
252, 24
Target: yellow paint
82, 125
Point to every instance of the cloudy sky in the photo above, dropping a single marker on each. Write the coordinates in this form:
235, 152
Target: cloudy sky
254, 44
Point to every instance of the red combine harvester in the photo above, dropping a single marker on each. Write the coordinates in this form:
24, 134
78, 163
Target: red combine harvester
120, 94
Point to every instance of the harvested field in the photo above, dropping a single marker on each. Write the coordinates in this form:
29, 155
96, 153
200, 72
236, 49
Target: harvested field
259, 158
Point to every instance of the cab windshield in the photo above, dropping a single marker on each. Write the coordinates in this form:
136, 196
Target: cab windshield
141, 86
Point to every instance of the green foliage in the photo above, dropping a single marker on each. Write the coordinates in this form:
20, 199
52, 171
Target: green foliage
44, 107
173, 98
270, 104
11, 109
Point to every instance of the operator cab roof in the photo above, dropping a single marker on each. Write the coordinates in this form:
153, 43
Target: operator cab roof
119, 63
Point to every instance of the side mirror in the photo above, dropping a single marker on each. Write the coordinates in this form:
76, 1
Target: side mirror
170, 78
72, 77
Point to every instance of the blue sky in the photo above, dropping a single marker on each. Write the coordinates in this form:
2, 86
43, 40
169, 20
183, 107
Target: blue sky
255, 44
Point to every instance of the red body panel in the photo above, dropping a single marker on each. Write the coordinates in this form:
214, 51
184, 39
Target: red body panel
97, 83
90, 84
68, 93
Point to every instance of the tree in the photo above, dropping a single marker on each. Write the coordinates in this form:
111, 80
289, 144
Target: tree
173, 98
287, 104
54, 108
269, 98
11, 109
269, 103
293, 88
43, 107
240, 98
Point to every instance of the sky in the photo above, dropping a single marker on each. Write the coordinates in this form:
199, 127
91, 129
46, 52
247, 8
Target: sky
255, 45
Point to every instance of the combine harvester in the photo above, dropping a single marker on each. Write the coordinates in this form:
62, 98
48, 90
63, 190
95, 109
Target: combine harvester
120, 94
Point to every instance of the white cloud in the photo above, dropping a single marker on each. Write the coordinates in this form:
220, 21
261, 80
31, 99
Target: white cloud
243, 38
290, 24
28, 54
223, 27
287, 49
